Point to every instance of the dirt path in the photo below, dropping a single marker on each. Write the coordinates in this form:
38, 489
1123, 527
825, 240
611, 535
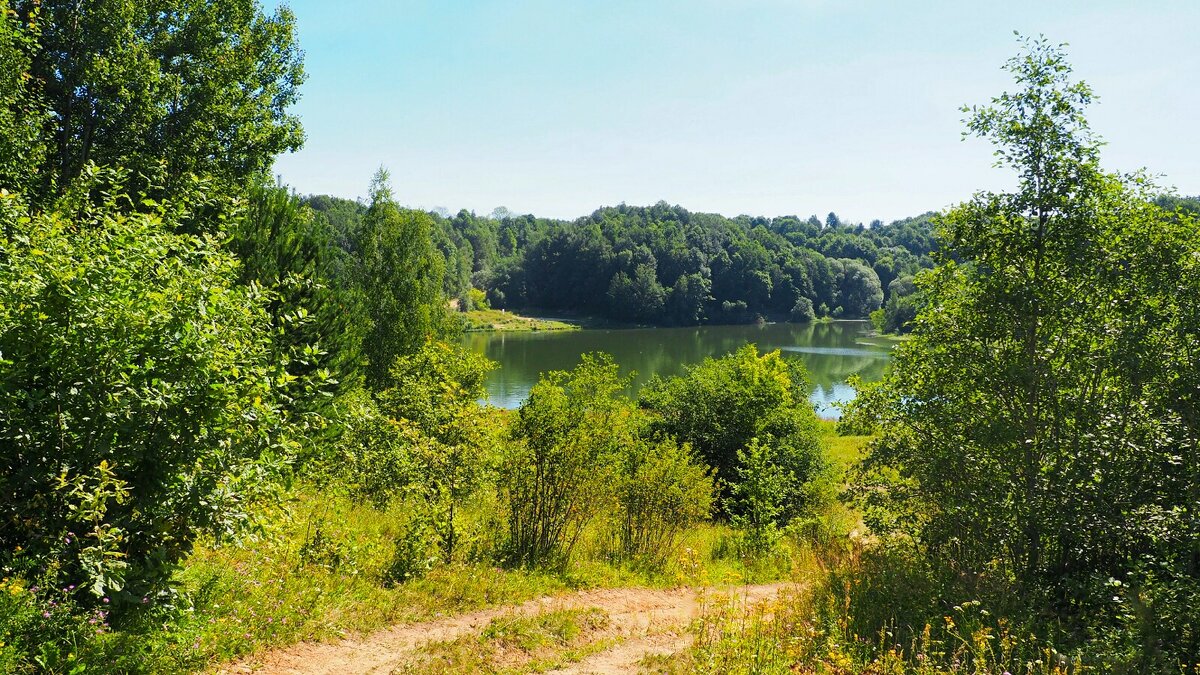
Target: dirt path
645, 621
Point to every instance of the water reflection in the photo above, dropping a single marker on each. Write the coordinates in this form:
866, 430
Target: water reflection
831, 351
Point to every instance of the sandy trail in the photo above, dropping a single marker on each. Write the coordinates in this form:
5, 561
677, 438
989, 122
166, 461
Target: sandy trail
648, 621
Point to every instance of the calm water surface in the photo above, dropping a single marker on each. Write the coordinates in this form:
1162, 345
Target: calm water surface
832, 352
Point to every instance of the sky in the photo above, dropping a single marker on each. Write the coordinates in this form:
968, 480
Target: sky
759, 107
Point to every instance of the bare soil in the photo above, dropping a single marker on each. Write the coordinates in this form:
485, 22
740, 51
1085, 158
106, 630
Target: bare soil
643, 621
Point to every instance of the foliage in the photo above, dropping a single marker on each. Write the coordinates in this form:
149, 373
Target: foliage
165, 89
900, 311
663, 264
138, 396
661, 491
437, 390
418, 549
759, 497
1040, 426
371, 459
22, 113
43, 630
555, 473
399, 273
317, 327
721, 405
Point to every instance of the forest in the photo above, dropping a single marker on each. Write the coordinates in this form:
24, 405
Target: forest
235, 419
663, 265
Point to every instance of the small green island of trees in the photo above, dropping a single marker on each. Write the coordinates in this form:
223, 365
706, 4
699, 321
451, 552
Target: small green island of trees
234, 418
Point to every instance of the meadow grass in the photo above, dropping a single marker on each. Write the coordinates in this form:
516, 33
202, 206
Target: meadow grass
502, 320
517, 644
316, 570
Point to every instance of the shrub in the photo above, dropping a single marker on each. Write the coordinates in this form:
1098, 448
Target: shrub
556, 470
436, 390
758, 498
722, 404
661, 491
371, 460
417, 549
137, 395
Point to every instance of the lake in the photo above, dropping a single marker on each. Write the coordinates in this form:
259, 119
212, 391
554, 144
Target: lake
831, 351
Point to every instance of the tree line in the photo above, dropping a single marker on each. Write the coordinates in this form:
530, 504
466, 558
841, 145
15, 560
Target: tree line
662, 264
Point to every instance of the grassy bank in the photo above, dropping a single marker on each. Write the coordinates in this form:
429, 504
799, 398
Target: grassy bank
502, 320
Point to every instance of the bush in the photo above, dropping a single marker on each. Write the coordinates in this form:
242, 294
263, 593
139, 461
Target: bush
662, 490
137, 394
722, 404
371, 459
802, 311
417, 549
436, 391
556, 470
759, 496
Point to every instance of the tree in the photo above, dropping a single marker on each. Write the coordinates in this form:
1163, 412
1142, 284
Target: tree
400, 274
165, 88
138, 400
1031, 426
898, 313
317, 324
688, 298
639, 297
22, 114
859, 292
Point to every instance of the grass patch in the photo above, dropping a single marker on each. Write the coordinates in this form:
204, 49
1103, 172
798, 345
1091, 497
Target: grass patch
314, 573
315, 570
514, 644
502, 320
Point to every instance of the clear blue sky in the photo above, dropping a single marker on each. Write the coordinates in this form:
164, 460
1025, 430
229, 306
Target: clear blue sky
765, 107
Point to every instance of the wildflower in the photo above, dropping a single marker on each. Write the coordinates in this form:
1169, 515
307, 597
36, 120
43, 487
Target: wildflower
45, 615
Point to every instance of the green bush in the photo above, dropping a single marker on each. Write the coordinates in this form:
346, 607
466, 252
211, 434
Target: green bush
137, 393
721, 405
371, 459
556, 470
418, 549
661, 490
758, 498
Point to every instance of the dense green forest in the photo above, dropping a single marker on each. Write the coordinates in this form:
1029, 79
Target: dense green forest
662, 264
233, 419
